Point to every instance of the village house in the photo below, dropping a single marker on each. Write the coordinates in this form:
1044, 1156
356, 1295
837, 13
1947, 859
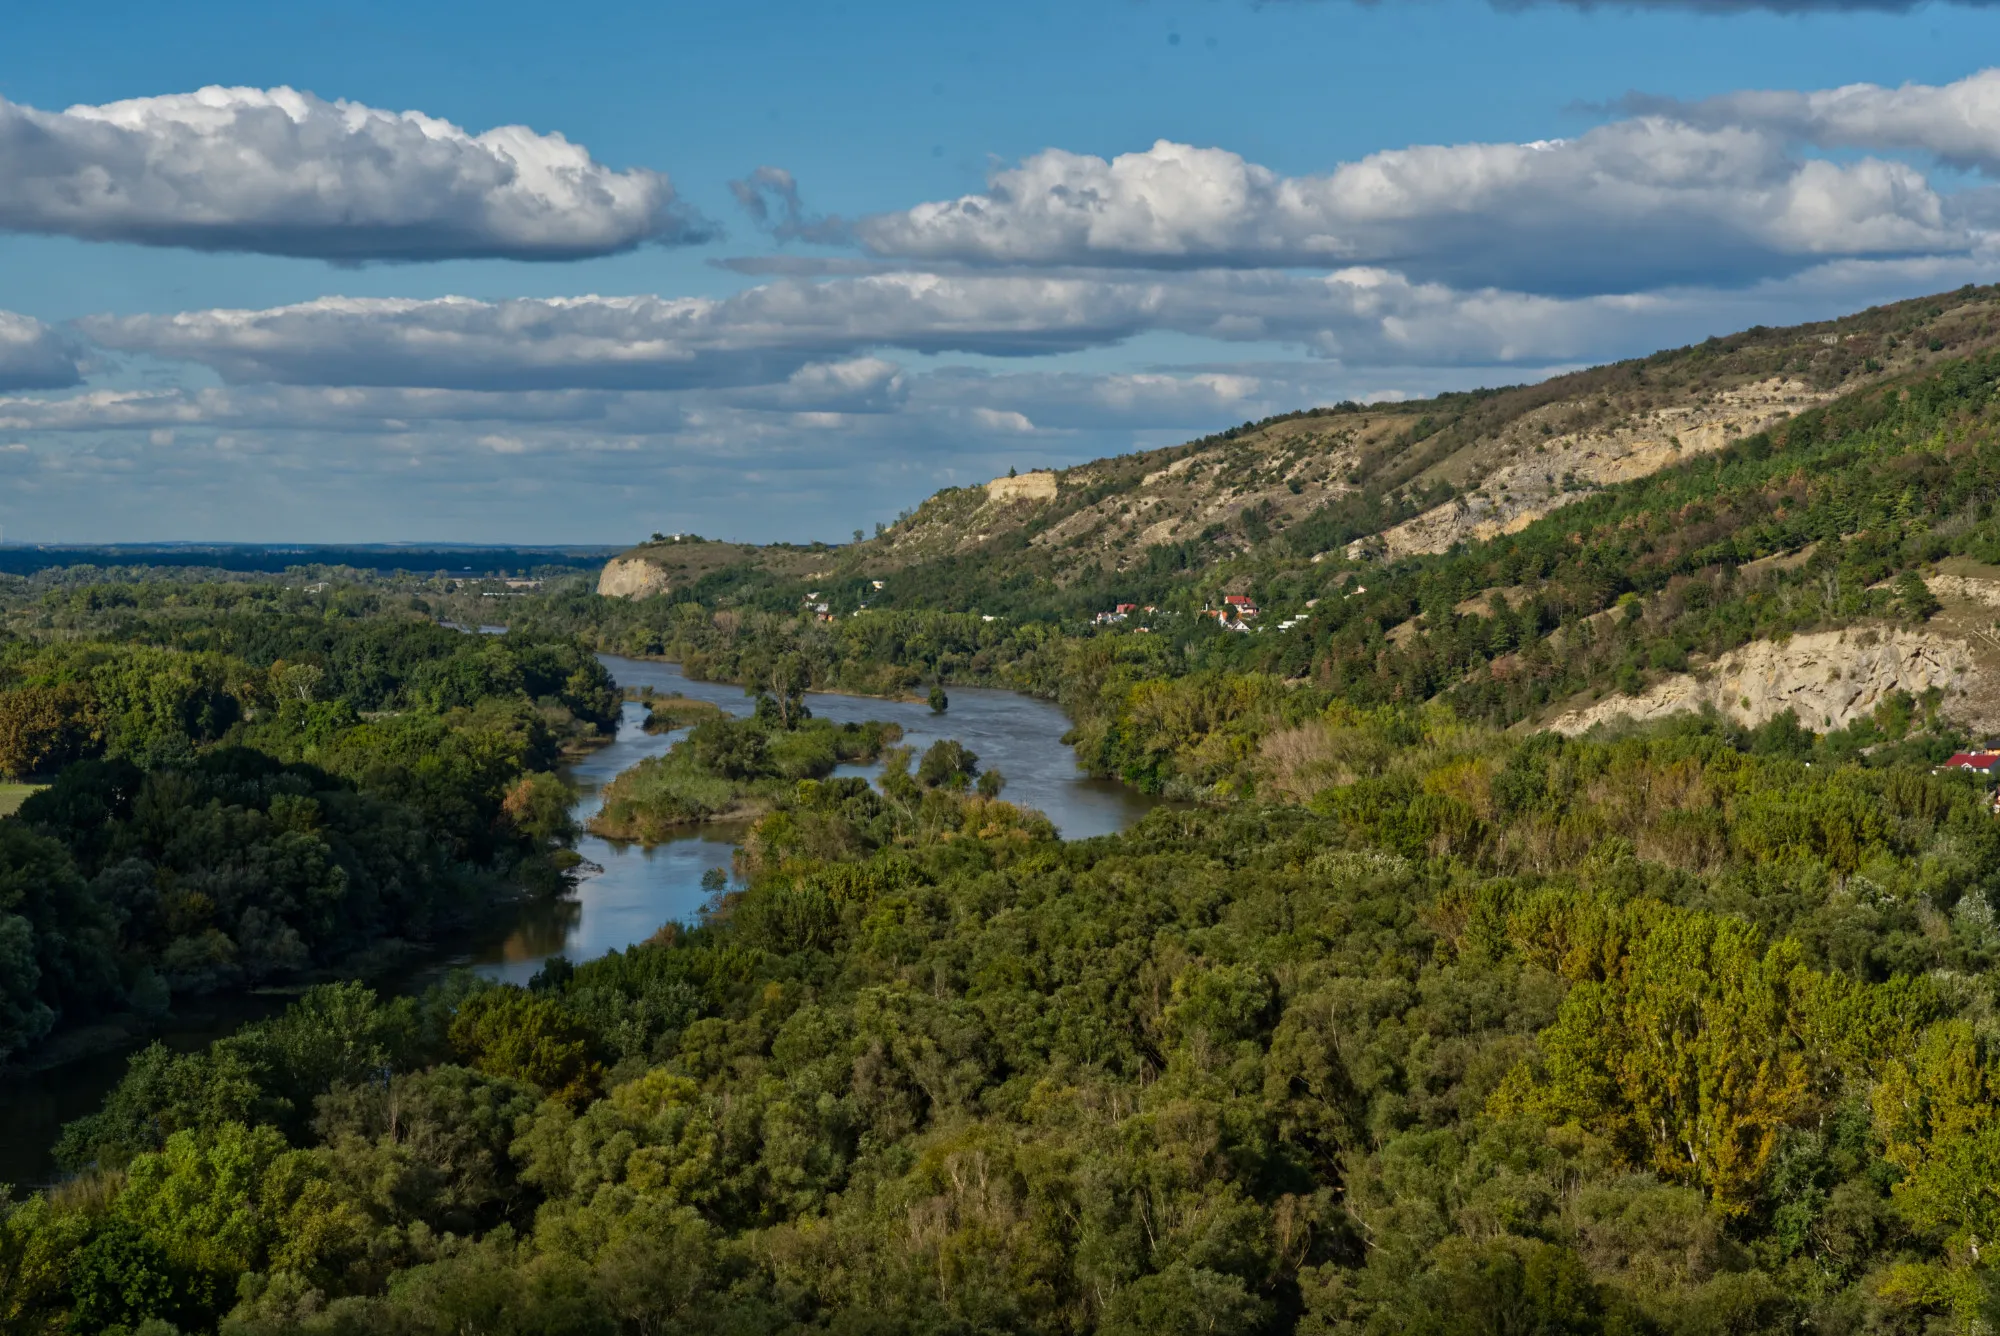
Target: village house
1229, 618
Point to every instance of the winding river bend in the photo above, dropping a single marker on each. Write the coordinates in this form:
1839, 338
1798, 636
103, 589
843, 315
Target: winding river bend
638, 890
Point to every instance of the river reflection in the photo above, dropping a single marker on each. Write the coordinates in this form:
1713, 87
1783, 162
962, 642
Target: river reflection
641, 889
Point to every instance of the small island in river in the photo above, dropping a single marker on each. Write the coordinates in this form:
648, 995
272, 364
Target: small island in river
666, 713
729, 769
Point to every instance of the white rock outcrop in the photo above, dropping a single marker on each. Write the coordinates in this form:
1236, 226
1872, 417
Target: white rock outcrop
632, 577
1829, 679
1037, 486
1972, 590
1529, 484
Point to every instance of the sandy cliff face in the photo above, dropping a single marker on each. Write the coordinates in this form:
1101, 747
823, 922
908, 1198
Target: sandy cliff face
1539, 474
1829, 679
631, 577
1037, 486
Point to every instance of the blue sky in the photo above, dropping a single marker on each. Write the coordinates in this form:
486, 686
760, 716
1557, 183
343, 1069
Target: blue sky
173, 364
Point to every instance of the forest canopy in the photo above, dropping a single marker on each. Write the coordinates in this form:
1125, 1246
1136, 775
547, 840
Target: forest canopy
231, 801
1398, 1017
1674, 1032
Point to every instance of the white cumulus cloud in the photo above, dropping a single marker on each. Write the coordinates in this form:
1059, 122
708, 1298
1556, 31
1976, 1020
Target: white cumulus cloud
286, 173
817, 346
1956, 123
1003, 419
760, 336
1637, 203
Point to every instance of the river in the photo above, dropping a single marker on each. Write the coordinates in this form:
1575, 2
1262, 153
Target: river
639, 889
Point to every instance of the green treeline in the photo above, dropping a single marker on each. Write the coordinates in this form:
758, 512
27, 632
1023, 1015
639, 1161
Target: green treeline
95, 675
1671, 1033
1403, 1020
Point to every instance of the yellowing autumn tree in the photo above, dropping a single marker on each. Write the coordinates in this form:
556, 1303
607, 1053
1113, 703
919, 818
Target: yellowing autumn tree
1688, 1044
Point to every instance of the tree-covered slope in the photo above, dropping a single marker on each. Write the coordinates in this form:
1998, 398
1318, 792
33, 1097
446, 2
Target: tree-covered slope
1870, 516
1411, 1017
1391, 479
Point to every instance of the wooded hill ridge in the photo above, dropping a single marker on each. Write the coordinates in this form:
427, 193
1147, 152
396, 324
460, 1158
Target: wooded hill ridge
1867, 511
1385, 479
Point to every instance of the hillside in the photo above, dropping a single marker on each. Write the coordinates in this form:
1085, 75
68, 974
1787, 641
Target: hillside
1392, 480
681, 562
1454, 467
1650, 552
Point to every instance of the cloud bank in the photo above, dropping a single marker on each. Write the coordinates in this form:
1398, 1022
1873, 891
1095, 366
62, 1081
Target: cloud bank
281, 172
1957, 123
957, 337
33, 356
765, 334
1640, 203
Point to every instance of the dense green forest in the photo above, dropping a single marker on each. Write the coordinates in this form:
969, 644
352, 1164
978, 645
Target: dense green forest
1671, 1033
246, 787
1405, 1019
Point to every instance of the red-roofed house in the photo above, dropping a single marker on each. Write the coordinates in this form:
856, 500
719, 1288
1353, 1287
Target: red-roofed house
1980, 763
1239, 604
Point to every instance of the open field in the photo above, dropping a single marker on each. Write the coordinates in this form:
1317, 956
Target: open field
13, 795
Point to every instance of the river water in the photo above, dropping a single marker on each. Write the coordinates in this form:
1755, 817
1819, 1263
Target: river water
639, 889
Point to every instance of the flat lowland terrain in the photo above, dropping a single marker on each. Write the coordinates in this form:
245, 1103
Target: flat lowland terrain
13, 795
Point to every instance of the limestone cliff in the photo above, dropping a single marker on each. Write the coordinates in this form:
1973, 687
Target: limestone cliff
1531, 476
631, 577
1829, 679
1037, 486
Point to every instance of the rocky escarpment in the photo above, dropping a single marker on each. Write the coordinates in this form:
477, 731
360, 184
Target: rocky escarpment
631, 577
1037, 486
1534, 467
1828, 679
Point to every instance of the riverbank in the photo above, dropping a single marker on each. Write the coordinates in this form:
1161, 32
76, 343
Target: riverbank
643, 886
900, 697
